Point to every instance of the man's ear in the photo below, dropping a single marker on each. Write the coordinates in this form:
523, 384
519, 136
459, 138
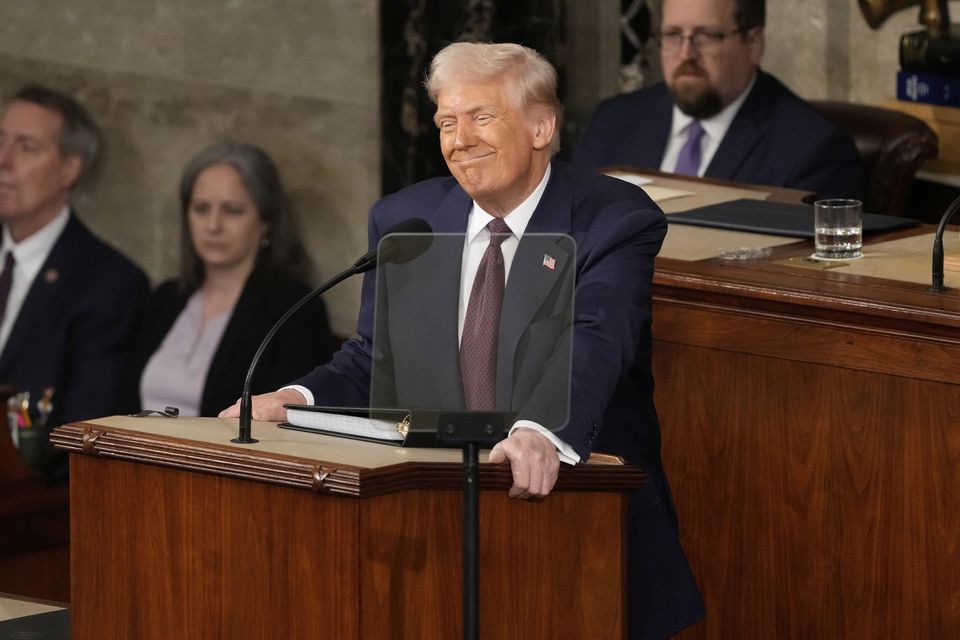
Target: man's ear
71, 170
545, 125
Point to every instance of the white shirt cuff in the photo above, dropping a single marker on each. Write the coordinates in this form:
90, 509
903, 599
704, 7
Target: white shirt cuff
566, 452
306, 393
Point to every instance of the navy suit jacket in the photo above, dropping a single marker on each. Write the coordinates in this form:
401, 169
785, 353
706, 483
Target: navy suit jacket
618, 231
775, 139
74, 330
303, 342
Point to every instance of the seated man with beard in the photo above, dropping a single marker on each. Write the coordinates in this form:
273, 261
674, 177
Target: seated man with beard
718, 115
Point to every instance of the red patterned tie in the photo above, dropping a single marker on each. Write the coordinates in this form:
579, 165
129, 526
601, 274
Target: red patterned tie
481, 327
6, 281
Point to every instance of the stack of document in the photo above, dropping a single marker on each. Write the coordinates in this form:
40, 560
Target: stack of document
385, 427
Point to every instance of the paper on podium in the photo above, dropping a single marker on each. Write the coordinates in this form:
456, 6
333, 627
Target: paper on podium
385, 427
657, 192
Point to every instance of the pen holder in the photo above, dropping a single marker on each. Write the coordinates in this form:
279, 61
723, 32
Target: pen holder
33, 446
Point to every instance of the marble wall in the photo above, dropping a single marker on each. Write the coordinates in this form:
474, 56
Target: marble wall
167, 78
824, 49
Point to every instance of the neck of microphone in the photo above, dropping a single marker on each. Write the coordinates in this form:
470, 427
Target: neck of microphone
936, 285
246, 402
393, 252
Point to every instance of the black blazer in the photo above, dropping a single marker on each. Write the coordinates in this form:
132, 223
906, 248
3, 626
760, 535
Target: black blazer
303, 342
775, 139
74, 330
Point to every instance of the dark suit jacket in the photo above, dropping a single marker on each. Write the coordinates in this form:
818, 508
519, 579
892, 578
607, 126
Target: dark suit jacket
74, 330
417, 305
618, 231
775, 139
296, 348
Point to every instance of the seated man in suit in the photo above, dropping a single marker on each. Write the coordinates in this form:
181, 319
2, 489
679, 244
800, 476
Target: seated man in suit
498, 118
717, 114
68, 302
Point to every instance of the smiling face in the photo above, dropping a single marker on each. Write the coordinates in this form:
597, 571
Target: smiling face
35, 179
495, 151
702, 83
225, 226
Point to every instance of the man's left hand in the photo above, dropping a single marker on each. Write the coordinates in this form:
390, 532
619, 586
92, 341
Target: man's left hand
533, 460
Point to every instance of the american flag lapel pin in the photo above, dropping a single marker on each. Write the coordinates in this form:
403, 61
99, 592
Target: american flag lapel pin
549, 261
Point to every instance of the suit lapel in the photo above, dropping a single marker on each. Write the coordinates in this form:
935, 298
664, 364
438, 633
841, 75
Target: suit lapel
438, 295
237, 338
746, 132
531, 280
650, 147
43, 291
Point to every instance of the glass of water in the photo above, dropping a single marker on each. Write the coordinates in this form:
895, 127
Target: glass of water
838, 228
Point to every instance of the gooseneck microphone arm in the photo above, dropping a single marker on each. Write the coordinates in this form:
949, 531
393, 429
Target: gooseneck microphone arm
397, 252
936, 286
246, 402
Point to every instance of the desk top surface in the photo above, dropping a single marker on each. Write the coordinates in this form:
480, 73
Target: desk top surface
13, 606
889, 283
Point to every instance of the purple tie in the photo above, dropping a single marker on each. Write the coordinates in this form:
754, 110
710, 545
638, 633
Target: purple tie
688, 163
6, 281
481, 326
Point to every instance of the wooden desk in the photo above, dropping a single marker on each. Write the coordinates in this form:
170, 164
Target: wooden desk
811, 434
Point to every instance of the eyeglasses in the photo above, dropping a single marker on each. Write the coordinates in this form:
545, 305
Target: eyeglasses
705, 42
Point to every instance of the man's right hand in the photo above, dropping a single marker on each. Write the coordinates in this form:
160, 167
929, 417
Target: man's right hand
268, 406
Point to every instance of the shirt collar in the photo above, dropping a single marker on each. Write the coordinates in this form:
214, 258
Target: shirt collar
36, 246
517, 220
714, 126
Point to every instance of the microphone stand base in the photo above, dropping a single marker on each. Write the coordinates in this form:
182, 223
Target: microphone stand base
244, 440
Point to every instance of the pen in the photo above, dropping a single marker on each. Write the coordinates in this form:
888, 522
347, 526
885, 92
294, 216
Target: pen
45, 407
25, 411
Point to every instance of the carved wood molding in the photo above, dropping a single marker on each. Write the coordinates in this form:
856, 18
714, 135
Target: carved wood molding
315, 475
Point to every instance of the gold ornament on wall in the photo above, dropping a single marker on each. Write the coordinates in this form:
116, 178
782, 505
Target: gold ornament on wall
935, 49
934, 14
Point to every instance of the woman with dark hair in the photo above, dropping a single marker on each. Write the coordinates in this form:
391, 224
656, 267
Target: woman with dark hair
242, 267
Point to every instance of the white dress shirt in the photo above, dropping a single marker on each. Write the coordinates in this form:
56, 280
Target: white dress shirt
714, 129
29, 254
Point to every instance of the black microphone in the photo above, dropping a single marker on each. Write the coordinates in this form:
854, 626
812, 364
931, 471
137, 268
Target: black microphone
392, 250
396, 250
937, 285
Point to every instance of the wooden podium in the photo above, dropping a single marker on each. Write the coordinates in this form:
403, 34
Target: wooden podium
176, 532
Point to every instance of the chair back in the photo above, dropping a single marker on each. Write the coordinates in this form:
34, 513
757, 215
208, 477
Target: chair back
893, 145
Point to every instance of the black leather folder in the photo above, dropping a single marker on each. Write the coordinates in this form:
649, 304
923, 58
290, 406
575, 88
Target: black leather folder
775, 218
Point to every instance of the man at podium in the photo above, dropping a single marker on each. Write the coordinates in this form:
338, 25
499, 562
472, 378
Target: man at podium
499, 120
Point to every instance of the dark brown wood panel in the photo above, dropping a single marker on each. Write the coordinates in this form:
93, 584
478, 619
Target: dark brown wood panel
803, 339
155, 550
815, 500
40, 574
534, 583
34, 539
